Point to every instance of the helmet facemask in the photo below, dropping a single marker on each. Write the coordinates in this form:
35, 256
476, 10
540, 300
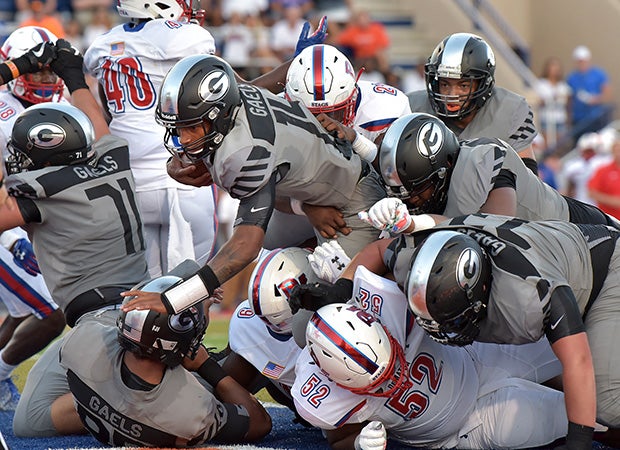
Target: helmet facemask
32, 89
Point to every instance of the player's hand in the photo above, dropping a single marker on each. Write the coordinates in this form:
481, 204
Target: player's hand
389, 214
313, 296
143, 300
328, 261
192, 174
24, 256
327, 220
36, 58
372, 437
68, 65
318, 37
5, 198
336, 128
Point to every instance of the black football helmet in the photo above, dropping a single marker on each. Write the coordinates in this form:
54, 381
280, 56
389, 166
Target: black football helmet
162, 337
50, 134
448, 286
460, 56
199, 89
418, 151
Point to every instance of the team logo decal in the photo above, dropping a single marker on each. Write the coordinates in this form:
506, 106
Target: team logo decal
214, 86
468, 268
183, 321
429, 139
46, 135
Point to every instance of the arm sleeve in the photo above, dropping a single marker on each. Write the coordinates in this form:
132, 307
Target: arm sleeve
257, 208
564, 316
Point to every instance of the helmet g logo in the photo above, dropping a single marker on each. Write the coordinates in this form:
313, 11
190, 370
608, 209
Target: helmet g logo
214, 86
46, 135
429, 140
183, 321
468, 268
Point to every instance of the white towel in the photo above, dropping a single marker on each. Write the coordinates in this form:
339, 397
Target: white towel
180, 238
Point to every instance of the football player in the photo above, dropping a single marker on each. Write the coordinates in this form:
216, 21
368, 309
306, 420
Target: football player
460, 89
368, 369
505, 280
256, 146
149, 387
34, 319
73, 192
429, 171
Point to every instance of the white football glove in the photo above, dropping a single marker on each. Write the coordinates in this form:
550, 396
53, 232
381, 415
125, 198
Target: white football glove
328, 261
372, 437
389, 214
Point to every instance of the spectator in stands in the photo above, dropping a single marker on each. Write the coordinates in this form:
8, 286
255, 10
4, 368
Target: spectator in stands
591, 94
339, 13
367, 39
553, 97
100, 22
604, 185
237, 43
285, 31
576, 172
245, 7
40, 16
277, 8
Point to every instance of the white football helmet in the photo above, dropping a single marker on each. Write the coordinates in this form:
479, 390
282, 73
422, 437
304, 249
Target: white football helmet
41, 87
178, 10
323, 80
271, 283
355, 351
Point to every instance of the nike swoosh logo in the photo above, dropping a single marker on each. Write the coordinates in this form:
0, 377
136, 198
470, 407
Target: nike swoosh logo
557, 322
39, 53
253, 209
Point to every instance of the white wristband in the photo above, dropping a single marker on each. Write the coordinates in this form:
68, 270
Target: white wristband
8, 239
422, 222
186, 294
364, 147
296, 206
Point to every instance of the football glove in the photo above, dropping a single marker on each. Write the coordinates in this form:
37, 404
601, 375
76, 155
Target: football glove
328, 261
313, 296
318, 37
68, 65
24, 256
388, 214
372, 437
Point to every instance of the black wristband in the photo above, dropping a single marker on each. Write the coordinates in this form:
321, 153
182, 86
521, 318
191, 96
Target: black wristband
579, 437
75, 81
209, 278
211, 372
27, 63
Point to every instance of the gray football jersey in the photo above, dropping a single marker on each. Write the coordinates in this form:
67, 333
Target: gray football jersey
274, 135
473, 178
120, 416
90, 234
530, 260
505, 115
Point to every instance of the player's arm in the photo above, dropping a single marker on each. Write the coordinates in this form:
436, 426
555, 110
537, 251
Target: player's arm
275, 79
193, 174
10, 215
239, 427
566, 333
68, 65
240, 250
358, 436
502, 199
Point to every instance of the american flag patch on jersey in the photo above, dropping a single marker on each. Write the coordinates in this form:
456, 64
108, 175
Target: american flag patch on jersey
273, 370
117, 48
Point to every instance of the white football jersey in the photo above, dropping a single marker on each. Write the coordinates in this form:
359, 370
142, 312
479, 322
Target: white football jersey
274, 355
130, 62
431, 412
458, 394
378, 106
